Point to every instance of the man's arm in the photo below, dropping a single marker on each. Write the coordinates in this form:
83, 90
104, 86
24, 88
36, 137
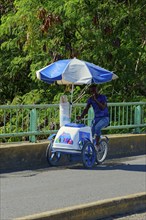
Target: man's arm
101, 105
85, 111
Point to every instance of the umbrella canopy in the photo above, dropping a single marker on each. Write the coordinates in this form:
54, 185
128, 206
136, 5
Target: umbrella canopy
74, 71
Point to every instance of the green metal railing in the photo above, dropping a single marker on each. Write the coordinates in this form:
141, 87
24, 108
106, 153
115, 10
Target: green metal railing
36, 121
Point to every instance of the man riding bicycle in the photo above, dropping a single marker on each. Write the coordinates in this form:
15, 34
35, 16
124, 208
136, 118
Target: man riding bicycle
101, 114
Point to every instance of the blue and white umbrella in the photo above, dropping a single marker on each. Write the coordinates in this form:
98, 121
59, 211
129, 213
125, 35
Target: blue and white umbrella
75, 72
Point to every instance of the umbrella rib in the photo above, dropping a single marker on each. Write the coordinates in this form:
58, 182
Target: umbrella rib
65, 68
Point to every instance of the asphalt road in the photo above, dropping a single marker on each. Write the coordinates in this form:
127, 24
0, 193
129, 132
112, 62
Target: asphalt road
30, 192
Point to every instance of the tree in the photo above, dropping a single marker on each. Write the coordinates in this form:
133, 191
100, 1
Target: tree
108, 33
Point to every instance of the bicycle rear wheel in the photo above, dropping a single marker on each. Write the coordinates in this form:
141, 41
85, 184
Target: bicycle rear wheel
102, 152
88, 155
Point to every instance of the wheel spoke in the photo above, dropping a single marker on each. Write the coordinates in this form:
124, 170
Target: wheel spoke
52, 156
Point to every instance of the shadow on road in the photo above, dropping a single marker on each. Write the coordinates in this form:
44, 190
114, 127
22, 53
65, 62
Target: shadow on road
128, 167
110, 164
115, 166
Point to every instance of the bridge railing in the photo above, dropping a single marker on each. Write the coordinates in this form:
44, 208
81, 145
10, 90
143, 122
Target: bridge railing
36, 121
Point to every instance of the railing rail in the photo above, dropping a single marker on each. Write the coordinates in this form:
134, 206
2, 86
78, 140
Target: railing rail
39, 120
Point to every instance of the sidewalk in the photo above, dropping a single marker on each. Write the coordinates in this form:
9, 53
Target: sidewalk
136, 216
101, 210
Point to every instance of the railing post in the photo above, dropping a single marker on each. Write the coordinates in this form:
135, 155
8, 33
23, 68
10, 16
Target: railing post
33, 124
137, 118
90, 116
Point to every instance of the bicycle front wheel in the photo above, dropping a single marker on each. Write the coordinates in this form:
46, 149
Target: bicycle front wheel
53, 157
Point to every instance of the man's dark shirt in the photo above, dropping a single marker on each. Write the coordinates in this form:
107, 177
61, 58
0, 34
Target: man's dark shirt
99, 113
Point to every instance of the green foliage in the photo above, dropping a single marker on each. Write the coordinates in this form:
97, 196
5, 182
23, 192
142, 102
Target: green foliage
36, 33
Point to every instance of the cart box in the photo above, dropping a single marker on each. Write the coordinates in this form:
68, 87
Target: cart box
69, 135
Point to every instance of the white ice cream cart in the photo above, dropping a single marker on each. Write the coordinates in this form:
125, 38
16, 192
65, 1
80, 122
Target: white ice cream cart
76, 139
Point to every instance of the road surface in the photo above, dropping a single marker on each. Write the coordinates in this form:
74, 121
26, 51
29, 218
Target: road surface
29, 192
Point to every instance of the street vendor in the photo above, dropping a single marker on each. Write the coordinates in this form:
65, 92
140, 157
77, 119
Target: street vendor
101, 114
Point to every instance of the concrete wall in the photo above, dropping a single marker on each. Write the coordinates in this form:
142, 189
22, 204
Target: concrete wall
25, 155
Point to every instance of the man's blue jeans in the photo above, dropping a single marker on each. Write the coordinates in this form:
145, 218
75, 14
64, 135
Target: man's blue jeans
98, 124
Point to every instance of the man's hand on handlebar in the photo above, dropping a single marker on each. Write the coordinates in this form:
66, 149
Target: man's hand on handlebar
78, 117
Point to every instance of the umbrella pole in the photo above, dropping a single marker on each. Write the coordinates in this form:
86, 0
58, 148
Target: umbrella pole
71, 99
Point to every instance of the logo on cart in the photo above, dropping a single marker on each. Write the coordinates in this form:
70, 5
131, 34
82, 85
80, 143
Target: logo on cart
64, 138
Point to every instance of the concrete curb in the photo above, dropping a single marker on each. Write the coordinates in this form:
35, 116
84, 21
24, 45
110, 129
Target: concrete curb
95, 210
25, 155
127, 145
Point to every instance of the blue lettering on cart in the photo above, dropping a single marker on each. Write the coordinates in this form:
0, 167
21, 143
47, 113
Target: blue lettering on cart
84, 135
